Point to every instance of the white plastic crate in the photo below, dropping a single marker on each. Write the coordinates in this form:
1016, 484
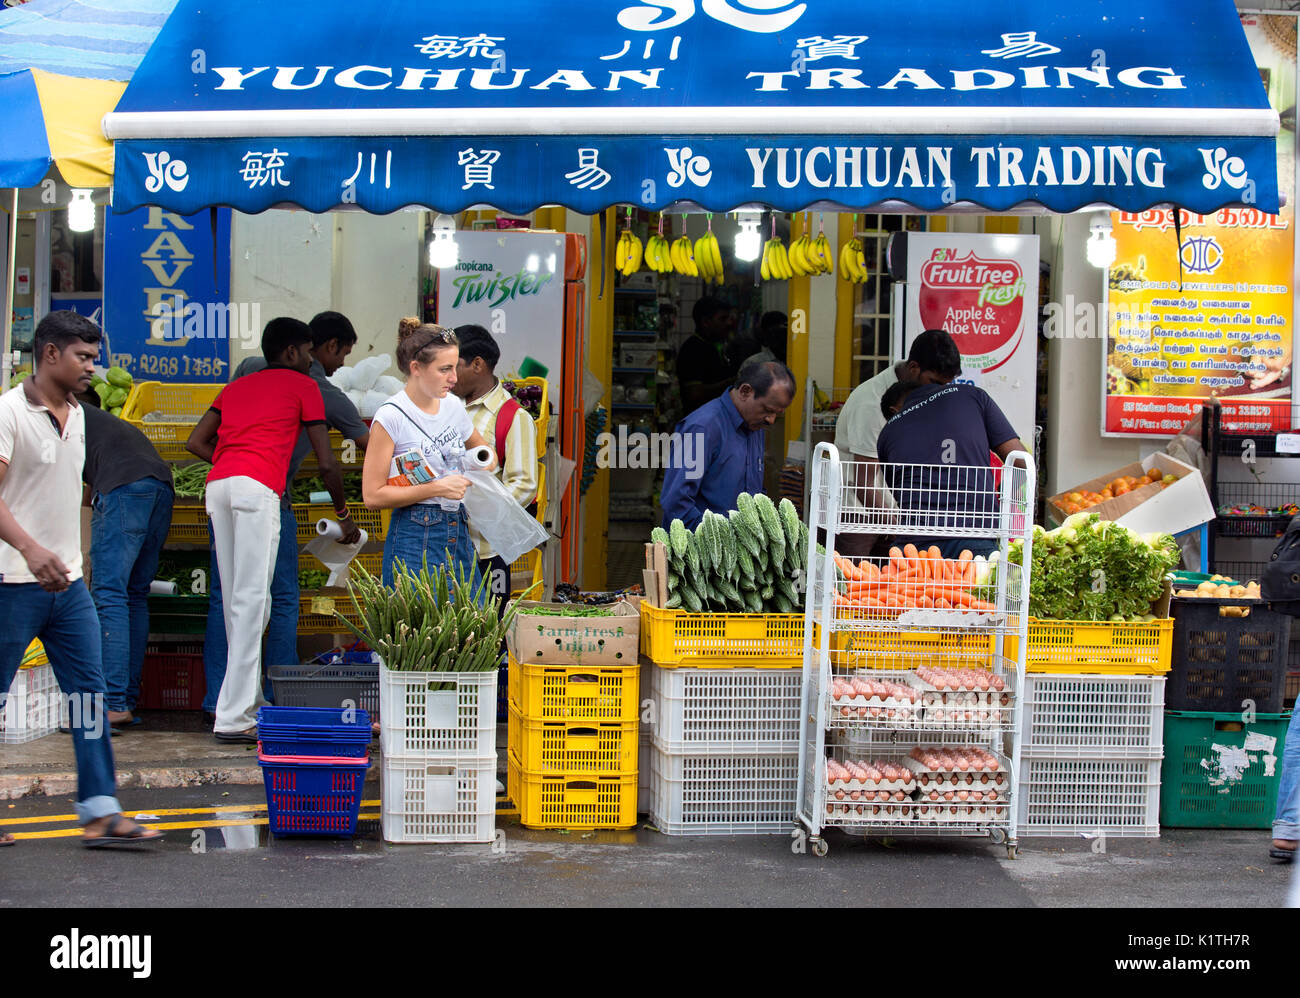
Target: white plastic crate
723, 794
644, 777
430, 801
438, 715
1093, 717
1070, 797
706, 710
31, 710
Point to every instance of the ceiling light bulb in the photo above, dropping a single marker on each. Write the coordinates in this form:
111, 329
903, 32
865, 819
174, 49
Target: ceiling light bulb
81, 211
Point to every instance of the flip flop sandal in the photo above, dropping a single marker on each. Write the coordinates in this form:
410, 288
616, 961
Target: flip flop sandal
139, 836
1282, 855
237, 737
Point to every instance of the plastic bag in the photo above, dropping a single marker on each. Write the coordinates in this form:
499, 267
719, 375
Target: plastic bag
503, 523
342, 379
333, 554
368, 371
389, 385
371, 401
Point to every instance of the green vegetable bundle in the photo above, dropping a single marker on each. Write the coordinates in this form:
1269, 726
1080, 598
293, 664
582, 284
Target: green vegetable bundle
1095, 569
751, 561
429, 622
565, 611
191, 481
312, 578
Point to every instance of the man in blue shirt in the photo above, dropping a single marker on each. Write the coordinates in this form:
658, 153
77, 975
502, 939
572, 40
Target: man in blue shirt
718, 450
944, 434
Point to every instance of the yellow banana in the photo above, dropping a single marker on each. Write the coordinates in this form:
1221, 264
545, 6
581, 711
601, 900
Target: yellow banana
702, 259
675, 258
763, 269
846, 271
686, 252
635, 254
860, 261
783, 254
822, 248
715, 254
620, 252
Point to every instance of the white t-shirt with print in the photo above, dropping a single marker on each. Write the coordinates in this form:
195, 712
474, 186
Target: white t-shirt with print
439, 437
42, 487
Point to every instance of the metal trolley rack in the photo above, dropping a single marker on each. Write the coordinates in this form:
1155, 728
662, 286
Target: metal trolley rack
952, 749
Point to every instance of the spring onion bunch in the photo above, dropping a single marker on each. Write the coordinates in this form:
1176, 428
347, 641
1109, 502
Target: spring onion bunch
433, 621
1094, 569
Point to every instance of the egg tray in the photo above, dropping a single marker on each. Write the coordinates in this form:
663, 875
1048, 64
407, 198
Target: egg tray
889, 710
935, 814
967, 717
966, 698
945, 781
888, 814
872, 786
986, 796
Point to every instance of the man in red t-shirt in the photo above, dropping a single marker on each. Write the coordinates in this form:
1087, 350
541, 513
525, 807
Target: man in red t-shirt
249, 435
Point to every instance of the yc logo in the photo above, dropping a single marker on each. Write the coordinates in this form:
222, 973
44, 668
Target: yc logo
165, 170
687, 166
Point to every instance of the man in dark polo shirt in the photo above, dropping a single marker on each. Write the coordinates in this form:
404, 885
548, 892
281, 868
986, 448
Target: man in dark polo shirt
938, 445
131, 495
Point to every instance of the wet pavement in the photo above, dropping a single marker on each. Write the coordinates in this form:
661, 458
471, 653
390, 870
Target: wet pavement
218, 853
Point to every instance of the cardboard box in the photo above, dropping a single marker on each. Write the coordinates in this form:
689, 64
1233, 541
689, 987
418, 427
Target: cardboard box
557, 640
1182, 506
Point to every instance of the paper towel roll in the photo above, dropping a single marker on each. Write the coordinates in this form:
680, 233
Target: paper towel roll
479, 457
329, 528
160, 588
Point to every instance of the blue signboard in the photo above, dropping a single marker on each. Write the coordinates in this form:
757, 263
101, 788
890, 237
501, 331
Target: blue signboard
698, 103
167, 310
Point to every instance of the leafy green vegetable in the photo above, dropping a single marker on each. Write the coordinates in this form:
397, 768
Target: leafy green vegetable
1095, 569
566, 610
191, 480
312, 578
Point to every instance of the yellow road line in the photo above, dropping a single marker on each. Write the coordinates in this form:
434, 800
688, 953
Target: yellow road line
64, 833
160, 812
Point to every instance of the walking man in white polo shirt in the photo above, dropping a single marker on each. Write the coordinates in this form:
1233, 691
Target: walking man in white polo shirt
42, 592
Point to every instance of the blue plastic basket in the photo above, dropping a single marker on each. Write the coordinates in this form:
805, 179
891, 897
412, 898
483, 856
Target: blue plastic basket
314, 731
307, 796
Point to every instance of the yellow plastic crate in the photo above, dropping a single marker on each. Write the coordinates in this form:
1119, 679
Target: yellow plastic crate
543, 423
176, 410
373, 521
524, 572
558, 748
574, 693
672, 638
316, 612
1096, 647
311, 465
189, 524
908, 649
577, 801
371, 561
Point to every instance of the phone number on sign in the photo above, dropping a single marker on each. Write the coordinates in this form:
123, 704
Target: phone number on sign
164, 366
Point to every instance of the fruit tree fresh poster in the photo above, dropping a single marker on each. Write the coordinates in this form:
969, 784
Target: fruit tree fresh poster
1221, 326
982, 289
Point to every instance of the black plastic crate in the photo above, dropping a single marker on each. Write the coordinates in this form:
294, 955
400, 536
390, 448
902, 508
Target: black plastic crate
1269, 501
327, 686
1219, 662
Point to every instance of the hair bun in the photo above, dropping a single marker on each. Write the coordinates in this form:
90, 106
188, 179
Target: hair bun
406, 327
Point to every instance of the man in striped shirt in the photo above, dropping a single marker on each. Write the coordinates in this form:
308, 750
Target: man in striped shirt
506, 427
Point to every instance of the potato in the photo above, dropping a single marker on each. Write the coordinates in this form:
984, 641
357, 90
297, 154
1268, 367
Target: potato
1207, 588
1222, 592
1237, 592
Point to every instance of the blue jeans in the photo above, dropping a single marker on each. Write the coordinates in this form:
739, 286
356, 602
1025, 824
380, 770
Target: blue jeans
281, 632
127, 530
69, 629
424, 532
1286, 823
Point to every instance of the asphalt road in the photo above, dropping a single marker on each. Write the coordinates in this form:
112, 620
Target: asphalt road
226, 859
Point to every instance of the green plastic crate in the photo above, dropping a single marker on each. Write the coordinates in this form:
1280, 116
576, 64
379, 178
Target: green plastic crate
1217, 771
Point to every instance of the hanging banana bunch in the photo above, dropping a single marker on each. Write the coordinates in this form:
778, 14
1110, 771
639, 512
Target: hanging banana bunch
708, 257
853, 262
809, 257
682, 254
821, 249
658, 254
629, 253
776, 262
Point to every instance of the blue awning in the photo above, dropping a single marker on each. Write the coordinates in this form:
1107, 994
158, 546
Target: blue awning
712, 104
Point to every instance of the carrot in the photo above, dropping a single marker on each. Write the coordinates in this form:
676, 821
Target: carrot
887, 572
926, 603
868, 571
968, 573
910, 552
942, 604
965, 556
934, 551
979, 604
844, 565
896, 558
